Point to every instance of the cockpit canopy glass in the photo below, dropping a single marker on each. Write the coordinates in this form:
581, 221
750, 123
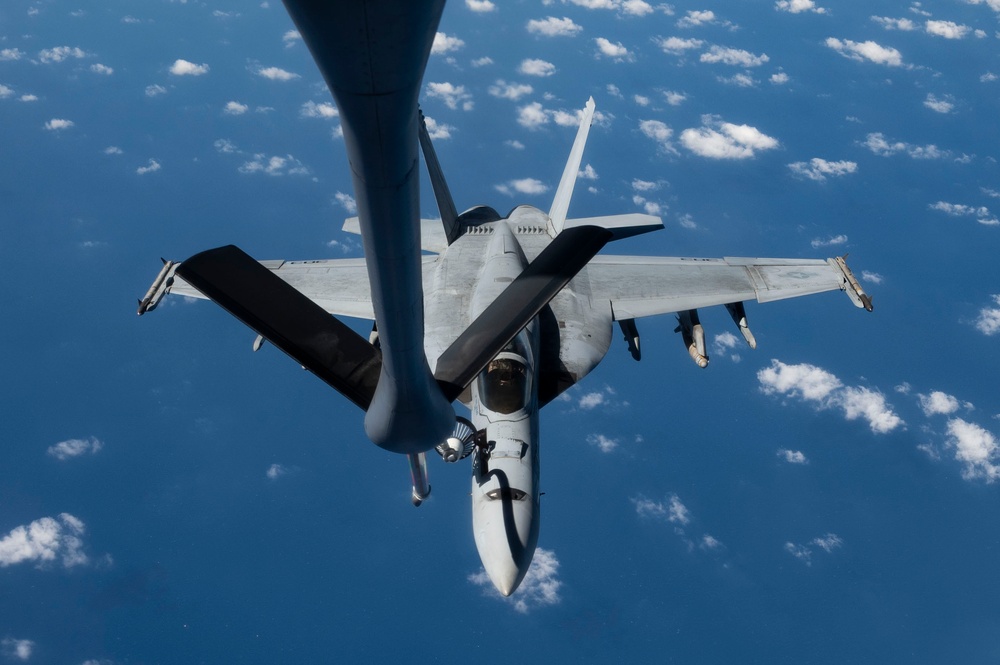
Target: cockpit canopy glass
505, 384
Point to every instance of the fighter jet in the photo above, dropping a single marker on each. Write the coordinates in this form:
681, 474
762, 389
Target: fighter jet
504, 312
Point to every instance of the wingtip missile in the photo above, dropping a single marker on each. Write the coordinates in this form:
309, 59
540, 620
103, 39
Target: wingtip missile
851, 285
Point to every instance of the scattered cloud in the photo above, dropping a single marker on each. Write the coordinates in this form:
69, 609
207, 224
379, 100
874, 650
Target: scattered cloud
792, 456
529, 186
532, 116
71, 448
276, 74
976, 448
275, 471
741, 80
672, 510
347, 202
873, 277
452, 95
45, 541
113, 150
940, 105
155, 90
274, 166
946, 29
151, 167
659, 132
445, 44
554, 27
604, 443
235, 108
644, 185
588, 172
15, 649
59, 54
871, 51
781, 78
324, 110
536, 67
724, 343
540, 587
58, 124
225, 146
438, 130
903, 24
697, 18
825, 391
981, 213
733, 56
674, 98
591, 400
483, 61
820, 169
186, 68
291, 38
11, 54
937, 402
98, 68
614, 50
716, 139
511, 91
678, 45
803, 553
883, 147
798, 6
988, 320
480, 6
5, 91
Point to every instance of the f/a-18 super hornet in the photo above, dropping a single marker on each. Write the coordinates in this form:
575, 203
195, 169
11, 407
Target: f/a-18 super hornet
503, 315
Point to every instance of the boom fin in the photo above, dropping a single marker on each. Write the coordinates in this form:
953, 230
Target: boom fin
445, 204
560, 204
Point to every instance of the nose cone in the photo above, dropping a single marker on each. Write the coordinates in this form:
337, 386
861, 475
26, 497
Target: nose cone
506, 532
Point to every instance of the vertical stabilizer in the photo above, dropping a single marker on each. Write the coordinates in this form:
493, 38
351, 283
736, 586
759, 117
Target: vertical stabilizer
560, 205
449, 215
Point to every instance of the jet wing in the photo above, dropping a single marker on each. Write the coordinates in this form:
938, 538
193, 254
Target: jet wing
339, 286
640, 286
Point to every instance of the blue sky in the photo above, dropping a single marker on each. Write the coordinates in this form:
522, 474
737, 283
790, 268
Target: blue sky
166, 495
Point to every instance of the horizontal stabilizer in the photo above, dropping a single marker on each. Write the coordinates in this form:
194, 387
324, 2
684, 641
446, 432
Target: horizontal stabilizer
288, 319
516, 306
621, 226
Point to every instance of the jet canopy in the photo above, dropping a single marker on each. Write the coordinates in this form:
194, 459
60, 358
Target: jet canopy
505, 385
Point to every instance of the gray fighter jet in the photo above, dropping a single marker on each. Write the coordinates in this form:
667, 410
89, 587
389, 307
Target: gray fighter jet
504, 315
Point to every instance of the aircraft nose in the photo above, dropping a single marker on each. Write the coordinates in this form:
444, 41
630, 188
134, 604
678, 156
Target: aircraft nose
506, 533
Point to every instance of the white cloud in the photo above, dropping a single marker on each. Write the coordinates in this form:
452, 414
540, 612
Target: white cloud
614, 50
151, 167
793, 456
947, 29
724, 140
225, 146
44, 541
587, 173
532, 116
452, 95
733, 56
803, 553
636, 8
483, 61
820, 169
58, 124
155, 90
903, 24
275, 471
274, 166
554, 27
873, 277
235, 108
677, 512
659, 132
594, 4
780, 78
696, 18
829, 542
976, 448
673, 510
604, 443
324, 110
60, 53
988, 77
981, 213
674, 98
812, 384
536, 67
798, 6
186, 68
878, 144
945, 105
5, 91
988, 321
16, 649
11, 54
725, 342
516, 145
529, 186
677, 45
938, 402
291, 38
480, 6
445, 43
70, 448
742, 80
98, 68
113, 150
540, 587
276, 74
829, 241
28, 98
438, 130
511, 91
860, 51
347, 202
644, 185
